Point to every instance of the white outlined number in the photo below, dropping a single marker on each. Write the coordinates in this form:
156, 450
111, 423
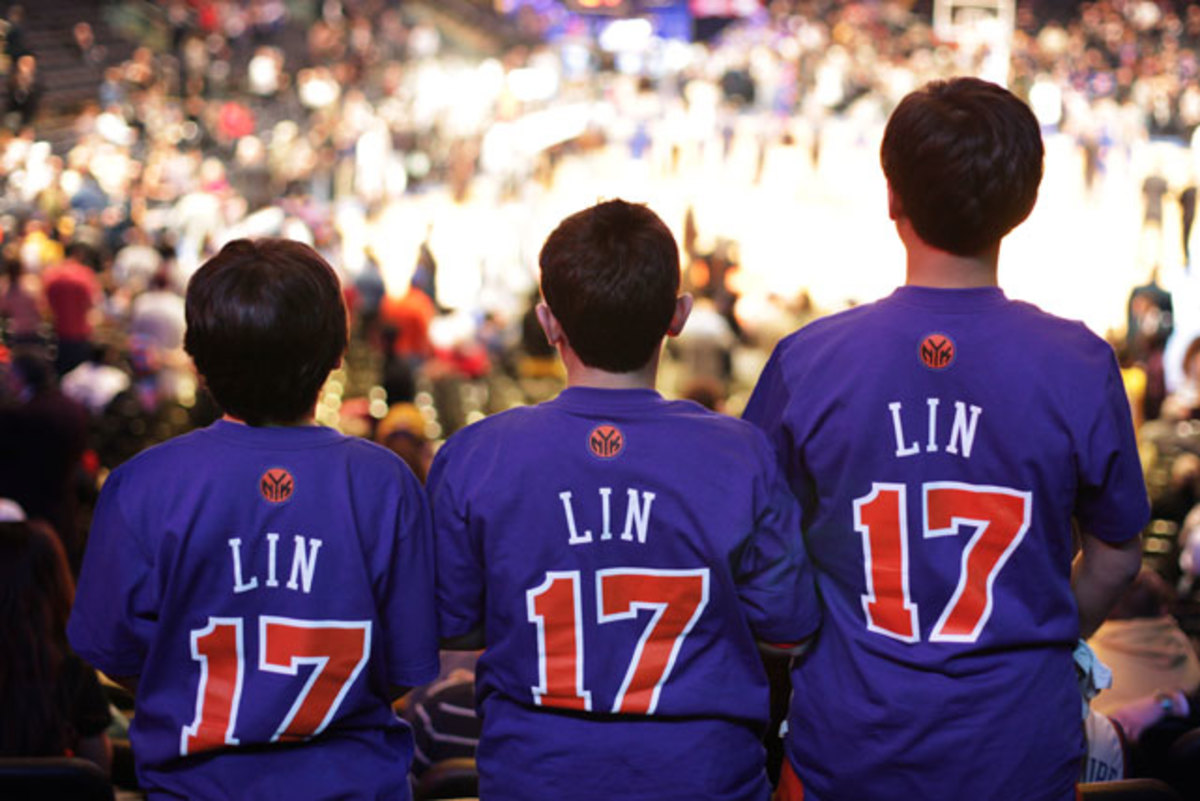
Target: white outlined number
676, 599
336, 650
999, 518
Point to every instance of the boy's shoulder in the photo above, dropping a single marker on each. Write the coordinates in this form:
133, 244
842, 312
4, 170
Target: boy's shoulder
1020, 319
190, 445
497, 423
709, 423
547, 430
222, 443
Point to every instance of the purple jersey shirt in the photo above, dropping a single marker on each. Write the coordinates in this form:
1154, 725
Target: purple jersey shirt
940, 442
269, 586
621, 554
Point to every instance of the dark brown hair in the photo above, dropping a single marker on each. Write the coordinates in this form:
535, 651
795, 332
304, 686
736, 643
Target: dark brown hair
610, 274
964, 159
266, 323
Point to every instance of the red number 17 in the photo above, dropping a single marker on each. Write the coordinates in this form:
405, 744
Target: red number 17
676, 598
999, 517
336, 650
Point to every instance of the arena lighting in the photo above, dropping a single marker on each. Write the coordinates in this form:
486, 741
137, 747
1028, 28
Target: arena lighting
612, 7
981, 29
624, 35
531, 84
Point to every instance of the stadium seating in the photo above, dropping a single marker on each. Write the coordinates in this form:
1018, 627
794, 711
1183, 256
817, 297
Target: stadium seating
1128, 790
449, 779
53, 779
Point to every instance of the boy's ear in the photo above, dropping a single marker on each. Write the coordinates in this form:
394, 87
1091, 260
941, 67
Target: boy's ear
895, 207
550, 325
683, 308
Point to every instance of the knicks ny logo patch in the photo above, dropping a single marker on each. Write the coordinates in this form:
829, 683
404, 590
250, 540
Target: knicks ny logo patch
937, 351
276, 485
606, 441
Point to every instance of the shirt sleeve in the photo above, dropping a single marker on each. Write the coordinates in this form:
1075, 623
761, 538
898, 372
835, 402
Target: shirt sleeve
1111, 500
767, 409
115, 615
460, 579
774, 576
767, 403
409, 621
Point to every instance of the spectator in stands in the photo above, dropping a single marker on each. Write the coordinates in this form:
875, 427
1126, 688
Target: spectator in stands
183, 550
402, 431
20, 307
705, 347
1150, 322
24, 93
1184, 402
15, 39
156, 329
90, 53
409, 315
505, 492
156, 317
136, 262
51, 703
370, 290
425, 275
1187, 217
967, 692
45, 438
73, 294
1143, 646
1154, 189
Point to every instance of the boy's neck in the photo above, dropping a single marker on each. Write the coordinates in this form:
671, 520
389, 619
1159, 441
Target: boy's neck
581, 375
930, 267
309, 420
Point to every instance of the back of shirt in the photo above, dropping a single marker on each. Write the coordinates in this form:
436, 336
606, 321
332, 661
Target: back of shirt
621, 554
941, 441
269, 586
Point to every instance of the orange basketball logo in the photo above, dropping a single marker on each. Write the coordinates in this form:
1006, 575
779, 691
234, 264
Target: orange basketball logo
276, 485
606, 441
937, 351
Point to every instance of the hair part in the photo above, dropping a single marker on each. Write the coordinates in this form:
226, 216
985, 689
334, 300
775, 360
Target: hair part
964, 159
266, 323
610, 275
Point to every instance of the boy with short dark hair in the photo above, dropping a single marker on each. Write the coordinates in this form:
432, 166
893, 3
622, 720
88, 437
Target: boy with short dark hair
942, 442
266, 582
617, 554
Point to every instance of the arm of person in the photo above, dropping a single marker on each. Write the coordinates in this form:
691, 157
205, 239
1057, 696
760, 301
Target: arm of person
460, 576
1099, 575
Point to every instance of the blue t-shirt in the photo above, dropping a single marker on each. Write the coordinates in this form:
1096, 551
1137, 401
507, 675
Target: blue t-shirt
621, 554
269, 586
941, 442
